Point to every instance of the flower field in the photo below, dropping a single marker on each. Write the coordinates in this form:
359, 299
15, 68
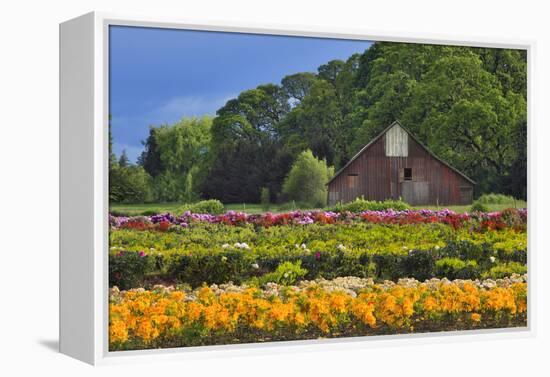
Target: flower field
200, 279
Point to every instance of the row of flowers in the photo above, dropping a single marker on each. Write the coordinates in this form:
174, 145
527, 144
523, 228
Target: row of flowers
515, 218
166, 316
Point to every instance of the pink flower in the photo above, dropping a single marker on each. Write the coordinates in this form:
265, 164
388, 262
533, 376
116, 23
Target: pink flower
318, 255
142, 253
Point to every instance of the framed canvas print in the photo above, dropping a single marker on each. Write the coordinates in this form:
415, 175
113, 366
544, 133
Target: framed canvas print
227, 188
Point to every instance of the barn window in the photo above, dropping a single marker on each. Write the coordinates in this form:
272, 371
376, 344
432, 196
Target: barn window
408, 174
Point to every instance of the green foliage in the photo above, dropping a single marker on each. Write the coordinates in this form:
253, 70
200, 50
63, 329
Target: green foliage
126, 269
265, 198
286, 273
477, 206
496, 199
360, 205
454, 268
306, 182
176, 157
123, 161
247, 152
212, 206
129, 184
207, 252
506, 269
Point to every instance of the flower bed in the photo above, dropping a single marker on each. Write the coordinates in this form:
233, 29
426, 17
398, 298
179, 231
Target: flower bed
168, 317
218, 253
477, 221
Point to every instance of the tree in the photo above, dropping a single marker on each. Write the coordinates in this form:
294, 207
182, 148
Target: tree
123, 160
307, 180
298, 85
129, 184
461, 111
247, 152
177, 154
150, 157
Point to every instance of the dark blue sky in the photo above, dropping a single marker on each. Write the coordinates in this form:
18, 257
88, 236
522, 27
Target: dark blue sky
161, 75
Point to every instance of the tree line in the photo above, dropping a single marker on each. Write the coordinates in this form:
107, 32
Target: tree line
468, 105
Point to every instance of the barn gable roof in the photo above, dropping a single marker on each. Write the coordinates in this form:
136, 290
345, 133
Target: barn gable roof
396, 122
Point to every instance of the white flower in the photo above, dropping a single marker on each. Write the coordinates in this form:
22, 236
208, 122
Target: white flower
492, 259
304, 246
244, 245
237, 244
341, 247
285, 274
226, 245
224, 258
437, 247
255, 265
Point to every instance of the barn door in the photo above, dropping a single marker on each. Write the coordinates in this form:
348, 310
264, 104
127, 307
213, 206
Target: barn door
415, 193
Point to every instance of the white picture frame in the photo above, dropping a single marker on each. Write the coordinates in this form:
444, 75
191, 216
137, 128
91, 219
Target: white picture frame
84, 48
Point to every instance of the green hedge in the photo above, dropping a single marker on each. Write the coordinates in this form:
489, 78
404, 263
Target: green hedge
360, 205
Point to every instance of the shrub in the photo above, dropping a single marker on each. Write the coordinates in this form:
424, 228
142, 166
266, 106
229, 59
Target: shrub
479, 207
287, 273
307, 179
265, 198
127, 269
506, 269
212, 206
495, 199
360, 205
454, 268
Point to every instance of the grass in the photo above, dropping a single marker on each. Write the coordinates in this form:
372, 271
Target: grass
146, 208
492, 207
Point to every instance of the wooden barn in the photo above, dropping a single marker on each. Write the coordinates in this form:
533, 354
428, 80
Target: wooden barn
396, 165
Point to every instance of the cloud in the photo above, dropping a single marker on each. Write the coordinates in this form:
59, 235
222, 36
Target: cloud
186, 106
130, 129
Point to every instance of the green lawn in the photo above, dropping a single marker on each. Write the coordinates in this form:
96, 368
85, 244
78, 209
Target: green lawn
149, 208
492, 207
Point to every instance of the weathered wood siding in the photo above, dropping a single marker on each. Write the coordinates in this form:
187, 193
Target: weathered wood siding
397, 142
377, 176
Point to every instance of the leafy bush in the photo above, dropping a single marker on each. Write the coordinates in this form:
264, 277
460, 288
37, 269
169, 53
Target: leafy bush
502, 270
287, 273
361, 205
127, 269
495, 199
454, 268
306, 182
479, 207
212, 206
265, 198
